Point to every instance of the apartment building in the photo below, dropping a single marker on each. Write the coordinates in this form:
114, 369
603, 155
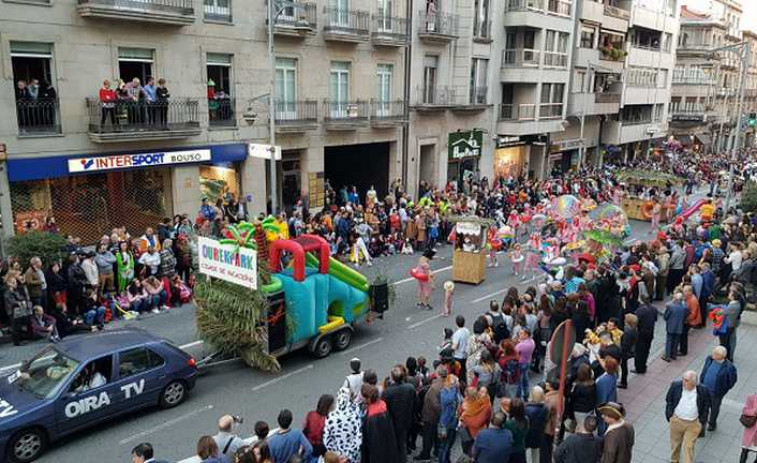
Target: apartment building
454, 61
95, 163
533, 85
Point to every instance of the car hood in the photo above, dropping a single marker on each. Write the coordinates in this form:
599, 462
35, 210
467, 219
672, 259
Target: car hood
15, 403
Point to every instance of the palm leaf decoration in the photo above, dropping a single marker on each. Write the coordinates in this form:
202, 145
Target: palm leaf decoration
230, 319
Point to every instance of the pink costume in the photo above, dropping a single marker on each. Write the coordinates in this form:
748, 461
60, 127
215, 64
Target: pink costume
448, 302
534, 252
749, 437
424, 287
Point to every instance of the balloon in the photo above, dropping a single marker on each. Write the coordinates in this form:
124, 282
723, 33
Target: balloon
505, 233
496, 244
539, 218
614, 213
416, 273
566, 206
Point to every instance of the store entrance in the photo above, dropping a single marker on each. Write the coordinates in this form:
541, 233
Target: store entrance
360, 165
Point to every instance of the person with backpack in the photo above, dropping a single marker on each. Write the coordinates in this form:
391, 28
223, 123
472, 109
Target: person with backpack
509, 368
498, 323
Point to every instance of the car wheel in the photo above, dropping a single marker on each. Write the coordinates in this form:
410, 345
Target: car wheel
342, 339
322, 347
173, 394
27, 445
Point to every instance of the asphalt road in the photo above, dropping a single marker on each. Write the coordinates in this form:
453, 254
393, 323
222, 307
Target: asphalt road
236, 389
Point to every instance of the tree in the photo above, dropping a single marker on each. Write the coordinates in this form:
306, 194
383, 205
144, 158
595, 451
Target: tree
749, 197
50, 247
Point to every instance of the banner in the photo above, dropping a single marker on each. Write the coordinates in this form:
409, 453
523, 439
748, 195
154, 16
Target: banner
220, 261
129, 161
465, 144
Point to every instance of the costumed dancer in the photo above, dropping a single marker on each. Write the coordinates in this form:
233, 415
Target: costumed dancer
656, 215
449, 291
514, 222
422, 274
517, 258
491, 245
533, 255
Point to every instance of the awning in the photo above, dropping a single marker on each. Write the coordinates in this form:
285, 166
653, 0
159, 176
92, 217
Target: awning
685, 140
704, 139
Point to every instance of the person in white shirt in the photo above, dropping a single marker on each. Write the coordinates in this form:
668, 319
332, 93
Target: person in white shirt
228, 442
687, 408
734, 257
460, 340
354, 381
151, 260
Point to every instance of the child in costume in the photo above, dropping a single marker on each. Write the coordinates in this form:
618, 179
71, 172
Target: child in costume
449, 291
517, 258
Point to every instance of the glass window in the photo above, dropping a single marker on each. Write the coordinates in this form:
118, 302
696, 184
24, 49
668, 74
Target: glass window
286, 79
135, 361
217, 10
479, 81
340, 81
135, 62
219, 72
384, 73
430, 66
662, 78
96, 374
579, 81
45, 374
587, 37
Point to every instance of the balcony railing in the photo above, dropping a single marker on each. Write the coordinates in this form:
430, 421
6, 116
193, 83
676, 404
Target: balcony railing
296, 112
555, 59
550, 110
521, 57
692, 80
482, 30
164, 11
389, 29
302, 16
218, 13
135, 117
557, 7
606, 97
616, 12
517, 112
688, 108
346, 111
437, 24
38, 117
347, 22
221, 113
387, 111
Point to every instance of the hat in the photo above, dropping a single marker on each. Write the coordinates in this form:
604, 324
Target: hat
211, 83
612, 409
717, 243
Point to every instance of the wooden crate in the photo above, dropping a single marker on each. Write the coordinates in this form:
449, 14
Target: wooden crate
468, 267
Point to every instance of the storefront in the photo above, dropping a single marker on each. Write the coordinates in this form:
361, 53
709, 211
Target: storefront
509, 157
464, 152
564, 154
88, 195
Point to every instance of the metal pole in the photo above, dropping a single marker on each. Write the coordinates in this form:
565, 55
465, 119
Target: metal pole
272, 108
406, 93
746, 53
582, 147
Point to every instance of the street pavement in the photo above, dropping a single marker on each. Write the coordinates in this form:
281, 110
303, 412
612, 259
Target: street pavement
405, 331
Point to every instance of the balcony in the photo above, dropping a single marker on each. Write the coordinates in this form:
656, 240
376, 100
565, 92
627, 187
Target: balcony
609, 16
137, 121
593, 104
349, 26
622, 132
521, 119
539, 14
221, 113
442, 98
297, 21
437, 27
617, 12
295, 116
607, 97
218, 13
345, 115
521, 57
389, 31
693, 79
555, 59
482, 31
38, 117
688, 112
387, 114
173, 12
550, 111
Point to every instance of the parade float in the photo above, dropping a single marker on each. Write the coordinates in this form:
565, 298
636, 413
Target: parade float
264, 296
471, 243
638, 208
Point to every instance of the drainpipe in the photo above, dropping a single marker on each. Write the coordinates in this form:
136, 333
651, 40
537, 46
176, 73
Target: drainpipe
406, 92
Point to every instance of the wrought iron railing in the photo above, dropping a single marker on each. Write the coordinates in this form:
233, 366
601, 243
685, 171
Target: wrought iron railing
218, 13
343, 21
182, 7
387, 110
221, 112
389, 27
136, 116
437, 23
346, 111
299, 15
296, 112
38, 116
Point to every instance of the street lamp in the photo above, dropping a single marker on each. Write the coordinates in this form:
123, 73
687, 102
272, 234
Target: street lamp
275, 9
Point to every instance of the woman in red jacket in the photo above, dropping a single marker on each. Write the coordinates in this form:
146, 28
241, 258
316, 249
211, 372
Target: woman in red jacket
108, 104
315, 420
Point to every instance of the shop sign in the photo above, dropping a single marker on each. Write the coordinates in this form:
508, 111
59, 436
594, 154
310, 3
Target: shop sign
504, 142
465, 144
128, 161
688, 117
566, 145
228, 262
29, 221
263, 151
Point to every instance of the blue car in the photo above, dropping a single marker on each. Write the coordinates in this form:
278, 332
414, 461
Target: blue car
82, 382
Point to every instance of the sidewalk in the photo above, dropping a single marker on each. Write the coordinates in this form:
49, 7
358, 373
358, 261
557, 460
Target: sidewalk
645, 399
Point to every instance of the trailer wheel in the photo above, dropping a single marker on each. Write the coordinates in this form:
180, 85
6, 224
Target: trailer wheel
322, 347
342, 339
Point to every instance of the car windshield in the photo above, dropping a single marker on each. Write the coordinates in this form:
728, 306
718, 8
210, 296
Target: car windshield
46, 373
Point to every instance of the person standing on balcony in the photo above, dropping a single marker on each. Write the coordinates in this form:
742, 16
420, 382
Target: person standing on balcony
162, 96
150, 97
22, 96
108, 104
136, 97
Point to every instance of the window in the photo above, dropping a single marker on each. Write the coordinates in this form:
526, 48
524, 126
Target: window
662, 78
218, 10
430, 66
479, 81
643, 77
481, 19
220, 103
658, 111
551, 100
587, 37
36, 96
286, 86
667, 39
580, 81
340, 12
556, 49
96, 374
340, 88
135, 63
384, 15
384, 75
135, 361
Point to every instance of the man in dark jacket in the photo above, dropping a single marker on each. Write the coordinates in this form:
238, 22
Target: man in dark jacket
581, 447
647, 316
400, 400
143, 453
675, 316
687, 405
432, 410
719, 375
